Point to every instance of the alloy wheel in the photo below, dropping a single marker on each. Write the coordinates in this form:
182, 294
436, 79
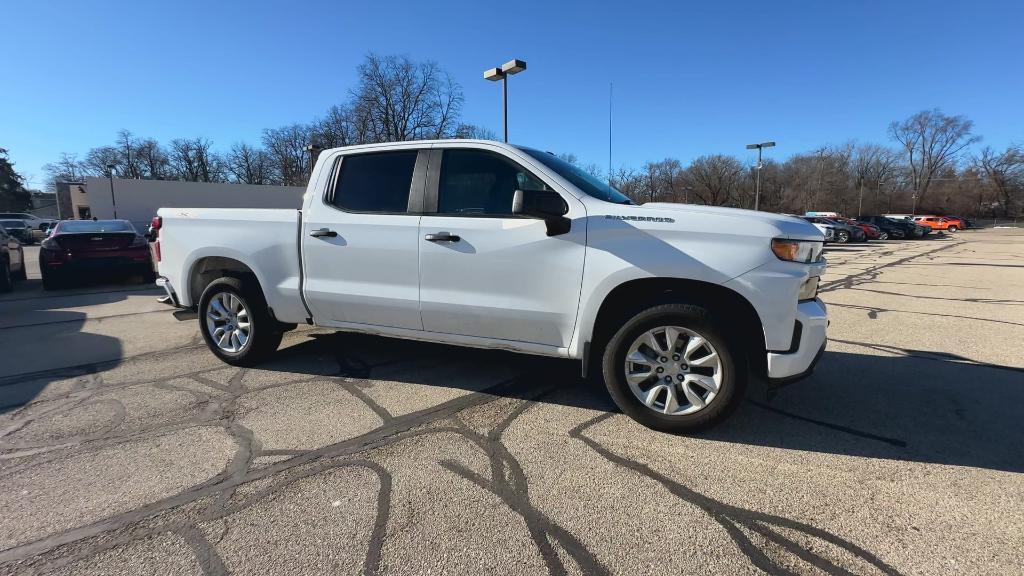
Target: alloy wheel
228, 323
673, 370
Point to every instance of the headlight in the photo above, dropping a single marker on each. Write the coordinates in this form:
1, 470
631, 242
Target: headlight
796, 250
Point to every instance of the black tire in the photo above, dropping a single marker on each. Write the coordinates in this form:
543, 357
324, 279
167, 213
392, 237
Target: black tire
50, 282
693, 317
6, 282
22, 274
264, 332
148, 277
883, 236
952, 229
842, 236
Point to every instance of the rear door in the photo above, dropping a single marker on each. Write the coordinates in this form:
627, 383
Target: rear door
360, 241
499, 276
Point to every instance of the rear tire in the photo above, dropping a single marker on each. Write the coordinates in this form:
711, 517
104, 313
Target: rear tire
22, 274
883, 236
264, 334
842, 236
697, 321
49, 282
952, 229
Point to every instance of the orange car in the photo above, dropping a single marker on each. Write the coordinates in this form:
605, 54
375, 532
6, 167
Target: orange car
939, 223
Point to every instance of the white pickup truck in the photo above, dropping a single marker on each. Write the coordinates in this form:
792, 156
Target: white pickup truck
483, 244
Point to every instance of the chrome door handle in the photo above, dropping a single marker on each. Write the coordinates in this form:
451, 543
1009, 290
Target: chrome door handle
323, 232
442, 237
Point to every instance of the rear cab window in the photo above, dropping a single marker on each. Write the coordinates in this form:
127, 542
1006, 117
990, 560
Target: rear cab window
374, 182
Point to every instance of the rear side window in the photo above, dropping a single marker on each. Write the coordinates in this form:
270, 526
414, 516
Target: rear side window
375, 182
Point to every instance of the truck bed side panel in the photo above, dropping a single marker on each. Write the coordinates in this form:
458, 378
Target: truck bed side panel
264, 240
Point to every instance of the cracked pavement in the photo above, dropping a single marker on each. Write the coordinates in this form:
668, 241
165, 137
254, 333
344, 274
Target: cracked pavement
127, 448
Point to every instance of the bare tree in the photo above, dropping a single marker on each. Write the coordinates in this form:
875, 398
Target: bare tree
248, 165
65, 169
152, 160
191, 159
932, 142
286, 148
715, 178
1005, 174
872, 165
399, 99
474, 132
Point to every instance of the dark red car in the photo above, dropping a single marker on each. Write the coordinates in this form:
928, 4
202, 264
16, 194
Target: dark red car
870, 230
94, 250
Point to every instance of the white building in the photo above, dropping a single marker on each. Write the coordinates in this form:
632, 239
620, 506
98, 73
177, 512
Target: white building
138, 200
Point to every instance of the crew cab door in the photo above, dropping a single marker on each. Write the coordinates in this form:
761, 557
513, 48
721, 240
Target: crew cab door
360, 239
485, 272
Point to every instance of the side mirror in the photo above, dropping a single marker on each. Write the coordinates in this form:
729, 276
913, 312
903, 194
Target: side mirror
544, 204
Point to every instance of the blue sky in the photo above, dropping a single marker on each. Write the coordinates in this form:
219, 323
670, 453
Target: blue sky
690, 77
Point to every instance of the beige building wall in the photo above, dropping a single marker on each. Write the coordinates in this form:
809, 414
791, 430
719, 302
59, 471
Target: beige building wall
138, 200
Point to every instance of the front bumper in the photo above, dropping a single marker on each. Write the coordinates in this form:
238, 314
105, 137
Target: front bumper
798, 363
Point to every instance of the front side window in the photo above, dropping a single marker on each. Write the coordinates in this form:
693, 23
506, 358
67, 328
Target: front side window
377, 182
479, 182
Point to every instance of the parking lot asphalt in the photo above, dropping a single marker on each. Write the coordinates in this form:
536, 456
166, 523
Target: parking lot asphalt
127, 448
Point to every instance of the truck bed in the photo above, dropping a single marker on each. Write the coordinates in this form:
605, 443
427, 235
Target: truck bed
265, 240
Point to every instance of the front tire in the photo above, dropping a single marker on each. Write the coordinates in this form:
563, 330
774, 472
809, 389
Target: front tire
883, 236
952, 229
842, 236
235, 324
671, 368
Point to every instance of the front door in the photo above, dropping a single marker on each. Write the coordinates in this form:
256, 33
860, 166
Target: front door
496, 275
360, 242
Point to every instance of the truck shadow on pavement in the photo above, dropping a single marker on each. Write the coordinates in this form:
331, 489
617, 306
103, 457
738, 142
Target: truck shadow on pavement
903, 405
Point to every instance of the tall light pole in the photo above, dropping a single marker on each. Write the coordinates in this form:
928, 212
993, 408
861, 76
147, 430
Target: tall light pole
494, 74
110, 174
757, 193
314, 150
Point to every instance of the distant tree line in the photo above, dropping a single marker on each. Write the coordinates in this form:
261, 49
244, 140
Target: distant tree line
395, 99
929, 166
929, 170
13, 195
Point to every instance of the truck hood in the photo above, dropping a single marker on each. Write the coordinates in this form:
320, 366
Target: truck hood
777, 225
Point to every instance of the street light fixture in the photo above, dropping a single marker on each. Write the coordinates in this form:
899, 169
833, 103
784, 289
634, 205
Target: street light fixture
110, 174
757, 193
494, 74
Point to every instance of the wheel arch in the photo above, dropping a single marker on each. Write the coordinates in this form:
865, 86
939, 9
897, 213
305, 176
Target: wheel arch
209, 268
736, 312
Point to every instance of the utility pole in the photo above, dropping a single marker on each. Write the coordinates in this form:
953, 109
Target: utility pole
113, 202
611, 88
860, 200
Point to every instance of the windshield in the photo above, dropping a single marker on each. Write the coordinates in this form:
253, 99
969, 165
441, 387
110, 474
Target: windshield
86, 226
9, 224
579, 178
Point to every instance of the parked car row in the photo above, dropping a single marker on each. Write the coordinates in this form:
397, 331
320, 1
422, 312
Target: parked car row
75, 251
887, 226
